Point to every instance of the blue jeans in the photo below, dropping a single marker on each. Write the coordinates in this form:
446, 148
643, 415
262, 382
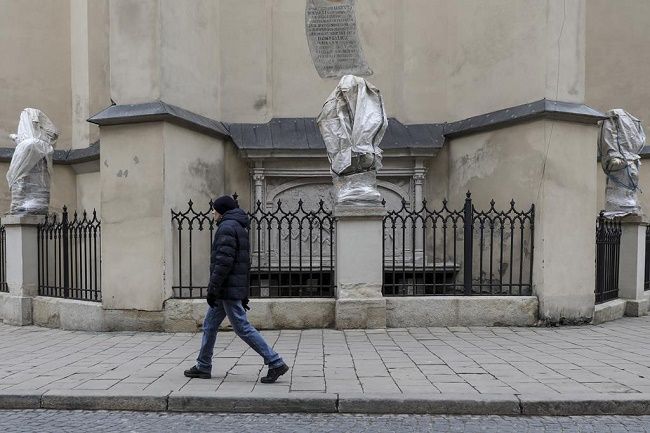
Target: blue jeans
237, 316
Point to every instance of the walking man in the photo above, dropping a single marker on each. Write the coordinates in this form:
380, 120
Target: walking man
228, 292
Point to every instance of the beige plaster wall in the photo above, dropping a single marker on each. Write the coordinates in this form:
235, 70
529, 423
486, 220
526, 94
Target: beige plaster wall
89, 27
237, 177
194, 169
546, 163
132, 198
35, 53
616, 56
433, 60
89, 192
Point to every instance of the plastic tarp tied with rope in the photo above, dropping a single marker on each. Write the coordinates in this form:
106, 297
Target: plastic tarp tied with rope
619, 143
352, 124
30, 170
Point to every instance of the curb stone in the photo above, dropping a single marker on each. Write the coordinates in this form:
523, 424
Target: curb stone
104, 400
214, 402
357, 403
585, 404
435, 404
20, 399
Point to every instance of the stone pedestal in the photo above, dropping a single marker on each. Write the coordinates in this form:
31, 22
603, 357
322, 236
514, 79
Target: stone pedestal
359, 302
632, 265
22, 267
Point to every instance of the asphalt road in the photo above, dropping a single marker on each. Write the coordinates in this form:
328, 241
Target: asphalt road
45, 421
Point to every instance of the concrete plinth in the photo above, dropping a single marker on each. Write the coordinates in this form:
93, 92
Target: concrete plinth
359, 255
22, 267
632, 265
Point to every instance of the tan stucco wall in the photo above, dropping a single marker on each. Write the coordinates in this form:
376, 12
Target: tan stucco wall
549, 164
132, 194
89, 192
433, 60
35, 53
617, 57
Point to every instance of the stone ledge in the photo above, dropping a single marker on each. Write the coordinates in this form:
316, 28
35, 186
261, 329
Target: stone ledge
22, 220
376, 403
611, 310
428, 311
78, 399
251, 403
434, 404
20, 399
585, 404
353, 211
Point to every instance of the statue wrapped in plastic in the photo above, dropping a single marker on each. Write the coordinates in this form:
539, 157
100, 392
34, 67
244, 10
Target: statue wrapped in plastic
619, 143
352, 123
30, 171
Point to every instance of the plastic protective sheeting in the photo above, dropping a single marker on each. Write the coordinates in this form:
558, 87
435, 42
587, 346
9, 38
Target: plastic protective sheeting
619, 143
352, 123
29, 174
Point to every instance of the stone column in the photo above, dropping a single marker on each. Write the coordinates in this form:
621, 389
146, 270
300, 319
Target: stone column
359, 267
418, 183
22, 267
632, 265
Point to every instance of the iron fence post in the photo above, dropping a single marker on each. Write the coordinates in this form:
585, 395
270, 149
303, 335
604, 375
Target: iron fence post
66, 247
468, 225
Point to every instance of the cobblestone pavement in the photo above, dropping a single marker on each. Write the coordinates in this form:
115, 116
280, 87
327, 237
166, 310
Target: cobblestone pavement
45, 421
609, 358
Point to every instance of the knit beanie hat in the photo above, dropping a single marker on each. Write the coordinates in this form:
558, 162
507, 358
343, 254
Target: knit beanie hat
223, 204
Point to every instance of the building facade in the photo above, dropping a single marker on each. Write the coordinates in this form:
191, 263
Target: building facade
162, 101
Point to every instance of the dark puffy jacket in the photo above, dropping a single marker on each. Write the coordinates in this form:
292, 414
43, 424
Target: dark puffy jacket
230, 258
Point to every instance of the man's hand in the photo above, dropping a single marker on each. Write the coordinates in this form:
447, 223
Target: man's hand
212, 297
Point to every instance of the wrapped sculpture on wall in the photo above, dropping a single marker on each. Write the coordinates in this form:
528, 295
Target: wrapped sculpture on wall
352, 123
30, 170
619, 143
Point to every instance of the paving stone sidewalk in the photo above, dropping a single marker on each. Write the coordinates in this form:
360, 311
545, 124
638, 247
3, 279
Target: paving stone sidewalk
496, 371
610, 358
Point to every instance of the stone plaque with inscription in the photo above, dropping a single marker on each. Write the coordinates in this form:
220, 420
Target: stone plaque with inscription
333, 39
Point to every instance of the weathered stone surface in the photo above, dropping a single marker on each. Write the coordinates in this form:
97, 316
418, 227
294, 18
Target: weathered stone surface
104, 400
186, 315
217, 402
360, 313
20, 399
607, 311
17, 310
334, 43
636, 308
461, 311
585, 404
449, 404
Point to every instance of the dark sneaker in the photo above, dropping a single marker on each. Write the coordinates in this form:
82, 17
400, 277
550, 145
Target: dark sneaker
196, 373
273, 373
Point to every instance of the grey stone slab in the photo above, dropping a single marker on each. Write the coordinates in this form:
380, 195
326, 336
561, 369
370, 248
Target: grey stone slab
20, 399
281, 403
104, 400
585, 404
449, 404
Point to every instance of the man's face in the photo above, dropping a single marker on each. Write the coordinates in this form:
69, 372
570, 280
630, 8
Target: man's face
216, 216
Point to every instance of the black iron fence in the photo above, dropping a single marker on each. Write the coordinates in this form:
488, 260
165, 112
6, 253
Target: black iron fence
292, 251
69, 256
3, 260
608, 244
458, 252
646, 280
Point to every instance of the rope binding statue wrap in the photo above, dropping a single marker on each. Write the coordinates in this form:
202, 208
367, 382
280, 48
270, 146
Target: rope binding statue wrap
30, 170
352, 124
